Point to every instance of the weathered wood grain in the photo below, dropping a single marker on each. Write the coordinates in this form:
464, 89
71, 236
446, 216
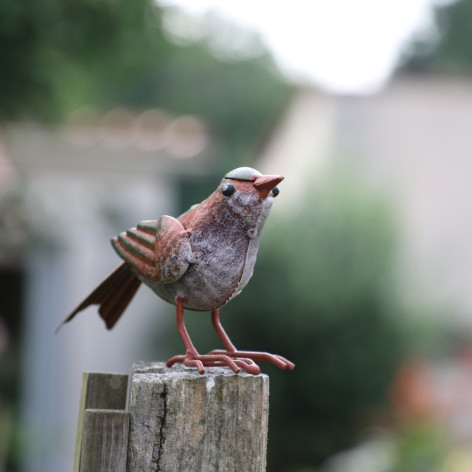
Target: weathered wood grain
181, 420
99, 391
104, 441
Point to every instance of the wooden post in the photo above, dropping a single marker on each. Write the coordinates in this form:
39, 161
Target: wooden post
181, 420
99, 391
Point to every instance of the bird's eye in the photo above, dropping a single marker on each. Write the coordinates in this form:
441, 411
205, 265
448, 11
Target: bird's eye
227, 190
275, 191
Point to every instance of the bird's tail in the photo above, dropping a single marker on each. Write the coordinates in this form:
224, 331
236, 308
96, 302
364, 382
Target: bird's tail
112, 295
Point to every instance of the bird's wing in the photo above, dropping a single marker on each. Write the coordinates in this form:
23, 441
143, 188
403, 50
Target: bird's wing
156, 249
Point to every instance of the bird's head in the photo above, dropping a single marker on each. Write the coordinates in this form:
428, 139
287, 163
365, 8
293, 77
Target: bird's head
249, 193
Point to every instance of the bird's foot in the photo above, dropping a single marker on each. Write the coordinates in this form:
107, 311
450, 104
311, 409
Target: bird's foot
256, 356
215, 359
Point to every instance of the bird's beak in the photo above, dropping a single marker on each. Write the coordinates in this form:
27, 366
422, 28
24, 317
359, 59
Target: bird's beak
265, 183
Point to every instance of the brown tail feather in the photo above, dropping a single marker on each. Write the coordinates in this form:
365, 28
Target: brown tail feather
114, 307
112, 295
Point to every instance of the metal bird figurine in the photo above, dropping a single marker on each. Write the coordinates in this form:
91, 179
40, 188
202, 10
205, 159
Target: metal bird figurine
199, 261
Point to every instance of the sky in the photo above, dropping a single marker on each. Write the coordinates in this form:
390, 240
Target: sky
343, 46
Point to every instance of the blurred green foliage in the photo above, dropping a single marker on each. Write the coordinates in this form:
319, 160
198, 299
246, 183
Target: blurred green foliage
416, 446
421, 447
321, 295
449, 50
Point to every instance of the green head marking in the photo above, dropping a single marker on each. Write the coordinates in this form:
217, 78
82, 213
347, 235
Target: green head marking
243, 173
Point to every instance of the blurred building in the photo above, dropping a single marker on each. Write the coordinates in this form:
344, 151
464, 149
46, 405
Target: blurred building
84, 183
411, 142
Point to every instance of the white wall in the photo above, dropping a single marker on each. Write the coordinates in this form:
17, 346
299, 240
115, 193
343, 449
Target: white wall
70, 192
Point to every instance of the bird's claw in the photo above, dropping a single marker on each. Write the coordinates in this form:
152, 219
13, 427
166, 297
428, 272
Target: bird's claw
235, 360
193, 359
255, 356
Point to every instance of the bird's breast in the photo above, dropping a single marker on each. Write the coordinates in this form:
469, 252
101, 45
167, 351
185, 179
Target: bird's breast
224, 249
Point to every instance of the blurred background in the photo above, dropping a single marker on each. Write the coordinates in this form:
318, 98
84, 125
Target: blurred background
115, 111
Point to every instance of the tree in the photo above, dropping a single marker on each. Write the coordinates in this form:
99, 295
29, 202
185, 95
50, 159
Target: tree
449, 50
104, 54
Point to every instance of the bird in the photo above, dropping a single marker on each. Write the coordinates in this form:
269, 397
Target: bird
198, 261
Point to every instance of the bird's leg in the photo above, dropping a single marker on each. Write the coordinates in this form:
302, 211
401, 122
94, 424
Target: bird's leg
192, 358
250, 357
215, 319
